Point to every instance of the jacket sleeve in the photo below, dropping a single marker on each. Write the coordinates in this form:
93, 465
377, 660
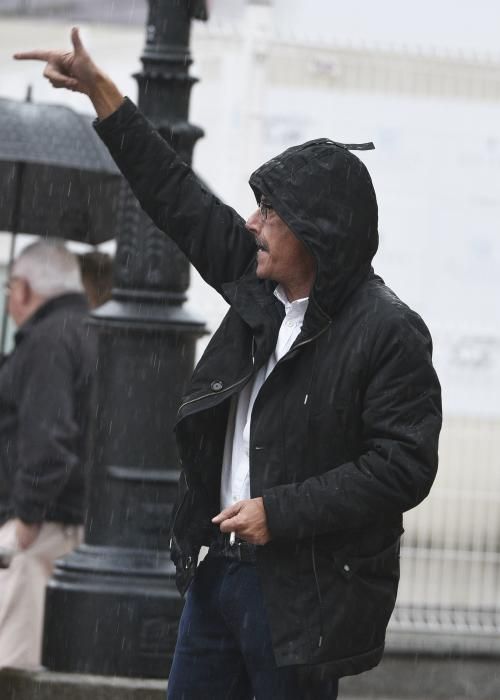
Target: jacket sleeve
211, 234
401, 420
48, 433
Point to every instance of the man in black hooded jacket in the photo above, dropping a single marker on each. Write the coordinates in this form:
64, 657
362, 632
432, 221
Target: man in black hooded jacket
310, 424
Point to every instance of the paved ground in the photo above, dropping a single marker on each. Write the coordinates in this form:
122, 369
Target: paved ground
398, 677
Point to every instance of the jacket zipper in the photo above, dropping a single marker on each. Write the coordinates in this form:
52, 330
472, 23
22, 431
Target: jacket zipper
247, 377
309, 340
304, 342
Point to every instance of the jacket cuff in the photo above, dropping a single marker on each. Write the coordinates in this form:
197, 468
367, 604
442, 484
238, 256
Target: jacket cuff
29, 515
117, 120
276, 515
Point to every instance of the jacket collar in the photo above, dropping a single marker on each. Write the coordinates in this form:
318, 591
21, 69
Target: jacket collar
256, 303
73, 301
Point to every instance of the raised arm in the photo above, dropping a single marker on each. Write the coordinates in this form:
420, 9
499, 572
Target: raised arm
211, 234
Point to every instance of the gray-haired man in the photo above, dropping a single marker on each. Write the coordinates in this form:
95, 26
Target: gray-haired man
44, 385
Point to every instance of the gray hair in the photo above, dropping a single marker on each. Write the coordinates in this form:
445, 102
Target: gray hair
49, 267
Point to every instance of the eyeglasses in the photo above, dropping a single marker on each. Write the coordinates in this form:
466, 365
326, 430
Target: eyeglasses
265, 207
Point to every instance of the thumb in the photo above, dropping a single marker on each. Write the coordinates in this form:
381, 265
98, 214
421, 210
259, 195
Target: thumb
76, 41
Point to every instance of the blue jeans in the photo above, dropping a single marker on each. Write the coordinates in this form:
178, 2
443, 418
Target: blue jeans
224, 649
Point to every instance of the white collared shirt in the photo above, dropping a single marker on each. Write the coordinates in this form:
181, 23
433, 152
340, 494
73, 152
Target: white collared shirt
235, 478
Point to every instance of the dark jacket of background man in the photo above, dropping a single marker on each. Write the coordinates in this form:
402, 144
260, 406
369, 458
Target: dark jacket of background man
44, 391
344, 432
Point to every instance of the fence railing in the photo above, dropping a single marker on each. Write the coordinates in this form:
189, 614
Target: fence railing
450, 560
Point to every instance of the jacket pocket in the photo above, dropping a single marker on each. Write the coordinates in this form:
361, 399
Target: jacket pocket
358, 594
382, 564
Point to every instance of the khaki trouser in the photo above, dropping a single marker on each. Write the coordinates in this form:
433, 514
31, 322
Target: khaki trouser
22, 590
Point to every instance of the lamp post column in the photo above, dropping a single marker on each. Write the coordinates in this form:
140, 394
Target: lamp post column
111, 606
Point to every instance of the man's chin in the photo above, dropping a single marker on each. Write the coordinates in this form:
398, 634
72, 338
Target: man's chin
262, 269
261, 272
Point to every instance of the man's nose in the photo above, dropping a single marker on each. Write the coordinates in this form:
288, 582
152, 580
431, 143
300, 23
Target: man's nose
253, 222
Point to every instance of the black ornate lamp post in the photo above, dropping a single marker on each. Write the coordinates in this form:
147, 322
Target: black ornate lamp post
112, 607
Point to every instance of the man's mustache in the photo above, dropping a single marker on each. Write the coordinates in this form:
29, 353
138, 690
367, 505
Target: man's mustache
261, 244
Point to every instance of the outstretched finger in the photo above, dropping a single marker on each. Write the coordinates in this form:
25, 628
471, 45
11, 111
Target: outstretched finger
33, 55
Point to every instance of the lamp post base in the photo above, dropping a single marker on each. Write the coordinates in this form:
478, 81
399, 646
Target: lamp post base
112, 607
118, 600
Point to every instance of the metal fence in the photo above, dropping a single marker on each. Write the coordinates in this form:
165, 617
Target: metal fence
450, 594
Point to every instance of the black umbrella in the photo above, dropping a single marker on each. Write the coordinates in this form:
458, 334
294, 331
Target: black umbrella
56, 177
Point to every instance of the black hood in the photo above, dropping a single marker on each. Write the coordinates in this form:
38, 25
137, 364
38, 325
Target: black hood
325, 195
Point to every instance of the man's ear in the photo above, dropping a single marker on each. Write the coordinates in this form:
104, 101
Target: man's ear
26, 291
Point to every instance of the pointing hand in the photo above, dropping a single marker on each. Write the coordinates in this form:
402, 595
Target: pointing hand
75, 70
